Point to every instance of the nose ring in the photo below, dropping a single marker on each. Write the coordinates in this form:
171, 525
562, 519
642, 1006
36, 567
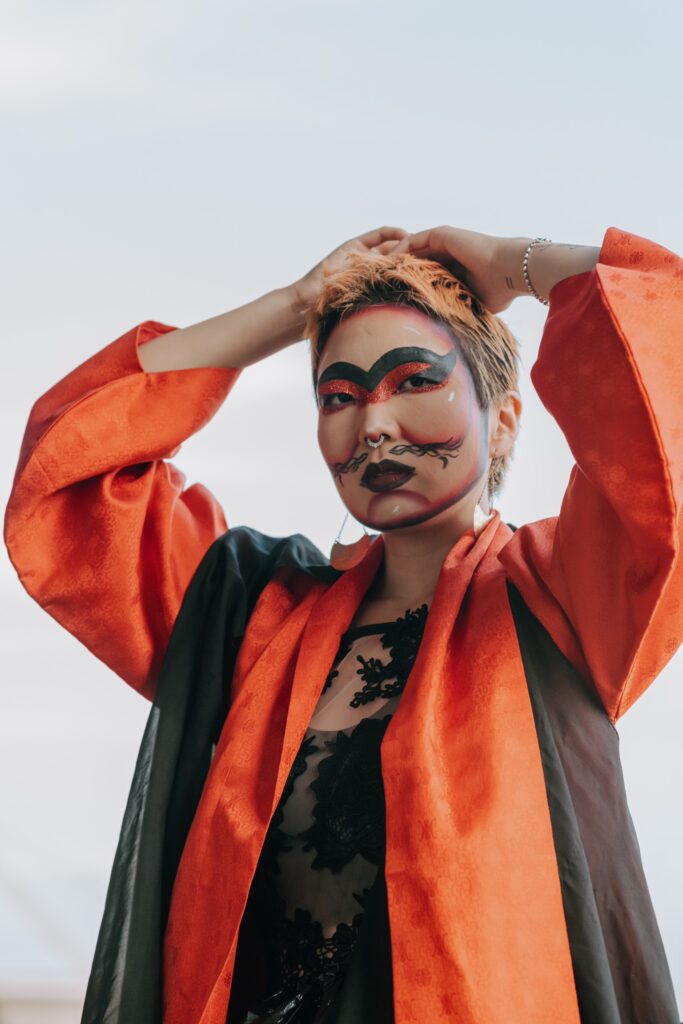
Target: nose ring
376, 444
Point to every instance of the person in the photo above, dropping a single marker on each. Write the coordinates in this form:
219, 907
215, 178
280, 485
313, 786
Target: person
386, 786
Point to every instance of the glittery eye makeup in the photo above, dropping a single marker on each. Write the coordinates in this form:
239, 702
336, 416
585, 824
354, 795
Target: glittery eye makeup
384, 376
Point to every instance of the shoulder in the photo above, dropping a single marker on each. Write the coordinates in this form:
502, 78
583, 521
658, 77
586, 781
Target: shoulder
244, 569
245, 553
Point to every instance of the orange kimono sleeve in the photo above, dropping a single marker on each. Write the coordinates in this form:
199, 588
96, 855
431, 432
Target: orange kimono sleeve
99, 525
606, 576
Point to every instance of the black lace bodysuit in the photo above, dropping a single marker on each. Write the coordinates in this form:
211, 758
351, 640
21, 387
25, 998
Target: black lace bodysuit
325, 843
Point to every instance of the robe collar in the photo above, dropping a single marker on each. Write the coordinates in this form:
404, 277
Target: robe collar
334, 611
473, 891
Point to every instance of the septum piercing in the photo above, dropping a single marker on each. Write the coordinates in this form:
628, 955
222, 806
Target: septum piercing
376, 444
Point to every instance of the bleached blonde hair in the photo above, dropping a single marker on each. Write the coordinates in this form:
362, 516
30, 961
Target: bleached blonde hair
488, 347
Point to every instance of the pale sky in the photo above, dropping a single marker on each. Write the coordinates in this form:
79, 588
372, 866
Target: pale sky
172, 161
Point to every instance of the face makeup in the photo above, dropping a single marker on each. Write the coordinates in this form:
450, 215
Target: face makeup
338, 469
379, 382
386, 475
393, 370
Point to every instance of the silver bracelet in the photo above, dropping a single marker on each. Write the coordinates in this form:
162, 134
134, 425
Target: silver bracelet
525, 270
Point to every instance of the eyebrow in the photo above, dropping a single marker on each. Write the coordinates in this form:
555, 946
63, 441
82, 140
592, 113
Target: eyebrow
369, 379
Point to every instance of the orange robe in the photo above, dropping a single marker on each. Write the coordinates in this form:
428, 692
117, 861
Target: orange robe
104, 536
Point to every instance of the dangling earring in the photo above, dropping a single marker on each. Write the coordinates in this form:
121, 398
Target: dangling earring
345, 556
481, 518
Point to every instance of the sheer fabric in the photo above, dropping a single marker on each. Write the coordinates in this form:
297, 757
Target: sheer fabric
325, 844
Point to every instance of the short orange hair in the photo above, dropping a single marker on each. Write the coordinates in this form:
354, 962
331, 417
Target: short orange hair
488, 347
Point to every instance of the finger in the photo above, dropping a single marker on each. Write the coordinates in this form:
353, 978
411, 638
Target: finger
432, 244
385, 247
412, 243
433, 241
372, 238
401, 246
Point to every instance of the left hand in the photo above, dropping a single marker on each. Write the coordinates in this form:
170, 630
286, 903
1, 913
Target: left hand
307, 288
480, 261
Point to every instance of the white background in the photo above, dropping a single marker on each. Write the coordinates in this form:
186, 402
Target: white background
172, 161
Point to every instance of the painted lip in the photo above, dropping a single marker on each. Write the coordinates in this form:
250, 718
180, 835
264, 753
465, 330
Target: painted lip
386, 475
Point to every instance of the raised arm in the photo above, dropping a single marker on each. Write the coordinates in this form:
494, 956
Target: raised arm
605, 576
609, 370
99, 526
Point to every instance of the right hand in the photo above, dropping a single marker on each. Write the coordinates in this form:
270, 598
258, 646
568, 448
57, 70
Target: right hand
309, 286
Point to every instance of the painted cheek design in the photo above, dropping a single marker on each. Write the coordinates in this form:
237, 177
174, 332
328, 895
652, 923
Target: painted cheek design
474, 466
443, 450
339, 469
442, 421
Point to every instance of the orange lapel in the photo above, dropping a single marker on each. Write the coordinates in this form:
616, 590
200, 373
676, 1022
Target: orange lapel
477, 923
330, 617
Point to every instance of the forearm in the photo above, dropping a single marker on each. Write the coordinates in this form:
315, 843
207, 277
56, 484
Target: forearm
232, 340
549, 262
609, 373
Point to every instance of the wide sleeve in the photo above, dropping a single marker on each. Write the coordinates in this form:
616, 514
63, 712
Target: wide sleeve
605, 576
99, 526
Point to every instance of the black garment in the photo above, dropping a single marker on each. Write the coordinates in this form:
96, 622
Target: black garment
185, 721
620, 966
326, 840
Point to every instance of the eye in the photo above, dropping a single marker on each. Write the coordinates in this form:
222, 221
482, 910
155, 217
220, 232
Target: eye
337, 399
416, 382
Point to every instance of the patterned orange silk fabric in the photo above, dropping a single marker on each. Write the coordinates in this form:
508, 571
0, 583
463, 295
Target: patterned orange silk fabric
104, 536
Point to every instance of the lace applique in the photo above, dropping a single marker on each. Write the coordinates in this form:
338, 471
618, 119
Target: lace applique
402, 637
330, 679
349, 812
304, 952
276, 839
344, 649
326, 839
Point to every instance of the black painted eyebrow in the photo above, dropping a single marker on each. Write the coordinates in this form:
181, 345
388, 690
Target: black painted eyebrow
369, 379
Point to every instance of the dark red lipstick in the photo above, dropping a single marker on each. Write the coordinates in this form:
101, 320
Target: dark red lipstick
386, 475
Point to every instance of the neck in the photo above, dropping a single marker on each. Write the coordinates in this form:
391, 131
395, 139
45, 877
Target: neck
413, 556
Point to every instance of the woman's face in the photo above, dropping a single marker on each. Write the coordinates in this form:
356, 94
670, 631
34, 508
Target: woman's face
392, 370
